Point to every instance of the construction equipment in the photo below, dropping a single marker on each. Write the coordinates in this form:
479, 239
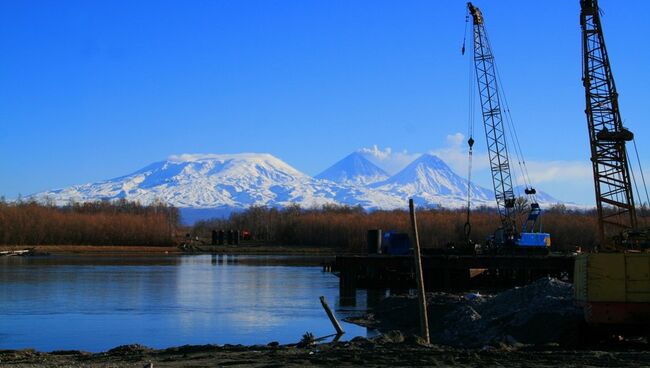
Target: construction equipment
613, 283
495, 118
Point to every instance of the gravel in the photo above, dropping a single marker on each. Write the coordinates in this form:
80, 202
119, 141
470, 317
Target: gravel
539, 313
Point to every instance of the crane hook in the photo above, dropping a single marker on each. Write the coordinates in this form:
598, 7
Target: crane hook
462, 50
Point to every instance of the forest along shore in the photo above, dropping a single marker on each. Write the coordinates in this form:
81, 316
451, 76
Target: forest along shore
388, 350
132, 224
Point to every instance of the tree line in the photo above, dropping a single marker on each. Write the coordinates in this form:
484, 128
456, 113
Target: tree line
91, 223
346, 227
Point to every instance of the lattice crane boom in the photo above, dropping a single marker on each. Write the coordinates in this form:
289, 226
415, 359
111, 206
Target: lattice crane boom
607, 136
493, 121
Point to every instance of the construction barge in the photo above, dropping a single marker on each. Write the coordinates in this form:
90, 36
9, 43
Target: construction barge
448, 272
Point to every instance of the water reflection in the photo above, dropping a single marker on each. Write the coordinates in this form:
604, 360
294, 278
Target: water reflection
95, 303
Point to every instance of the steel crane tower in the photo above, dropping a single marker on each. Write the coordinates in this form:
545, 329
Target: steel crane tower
611, 286
493, 120
607, 136
495, 133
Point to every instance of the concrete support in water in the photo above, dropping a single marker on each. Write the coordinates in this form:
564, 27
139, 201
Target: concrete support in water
235, 237
221, 237
374, 241
374, 296
215, 238
348, 284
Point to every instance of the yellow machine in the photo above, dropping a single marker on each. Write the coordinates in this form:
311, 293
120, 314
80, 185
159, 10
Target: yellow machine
614, 288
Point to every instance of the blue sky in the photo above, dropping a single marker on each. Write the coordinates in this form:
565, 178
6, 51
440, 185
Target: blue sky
91, 90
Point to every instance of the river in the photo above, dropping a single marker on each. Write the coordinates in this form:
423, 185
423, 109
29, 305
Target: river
96, 303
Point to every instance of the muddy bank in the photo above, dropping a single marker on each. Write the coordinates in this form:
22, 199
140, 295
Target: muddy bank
389, 350
247, 249
264, 249
540, 313
95, 249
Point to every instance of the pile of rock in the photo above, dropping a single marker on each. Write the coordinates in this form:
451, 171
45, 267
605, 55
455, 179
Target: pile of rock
539, 313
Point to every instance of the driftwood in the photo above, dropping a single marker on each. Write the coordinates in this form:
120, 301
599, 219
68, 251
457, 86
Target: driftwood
330, 314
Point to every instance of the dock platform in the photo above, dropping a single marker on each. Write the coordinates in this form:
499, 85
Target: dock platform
443, 272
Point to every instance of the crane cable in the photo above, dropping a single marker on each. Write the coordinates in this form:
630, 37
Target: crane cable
468, 225
645, 187
634, 182
470, 133
514, 137
462, 50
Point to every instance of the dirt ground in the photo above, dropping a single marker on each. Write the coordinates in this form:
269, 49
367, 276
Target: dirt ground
389, 350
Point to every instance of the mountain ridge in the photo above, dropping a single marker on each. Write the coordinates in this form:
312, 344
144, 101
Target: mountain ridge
232, 182
353, 168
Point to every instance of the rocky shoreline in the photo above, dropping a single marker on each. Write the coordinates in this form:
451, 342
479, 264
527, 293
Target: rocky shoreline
388, 350
539, 313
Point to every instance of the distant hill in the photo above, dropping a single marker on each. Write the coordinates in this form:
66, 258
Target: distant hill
429, 180
353, 169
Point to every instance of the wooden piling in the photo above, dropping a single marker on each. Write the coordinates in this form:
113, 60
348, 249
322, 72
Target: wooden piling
419, 279
332, 317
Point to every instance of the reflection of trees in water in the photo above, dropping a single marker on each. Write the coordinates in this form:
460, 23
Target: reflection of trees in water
180, 300
249, 293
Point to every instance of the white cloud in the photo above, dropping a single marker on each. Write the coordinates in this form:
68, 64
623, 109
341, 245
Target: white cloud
558, 171
455, 154
455, 139
570, 180
388, 159
376, 152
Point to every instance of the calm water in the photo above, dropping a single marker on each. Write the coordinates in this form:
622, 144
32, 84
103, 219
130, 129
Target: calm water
96, 303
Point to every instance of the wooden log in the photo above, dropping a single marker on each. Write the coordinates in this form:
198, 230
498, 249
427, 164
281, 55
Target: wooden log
332, 317
419, 279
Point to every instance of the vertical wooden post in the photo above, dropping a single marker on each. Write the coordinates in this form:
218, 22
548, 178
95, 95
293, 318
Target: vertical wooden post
419, 279
330, 314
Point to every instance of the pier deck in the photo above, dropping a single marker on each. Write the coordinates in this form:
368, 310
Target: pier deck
444, 272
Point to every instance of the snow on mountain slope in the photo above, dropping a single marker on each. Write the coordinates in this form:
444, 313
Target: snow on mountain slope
206, 181
353, 169
225, 183
429, 181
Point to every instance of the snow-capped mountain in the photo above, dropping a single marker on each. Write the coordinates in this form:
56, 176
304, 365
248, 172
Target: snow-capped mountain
429, 180
206, 181
354, 169
208, 185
